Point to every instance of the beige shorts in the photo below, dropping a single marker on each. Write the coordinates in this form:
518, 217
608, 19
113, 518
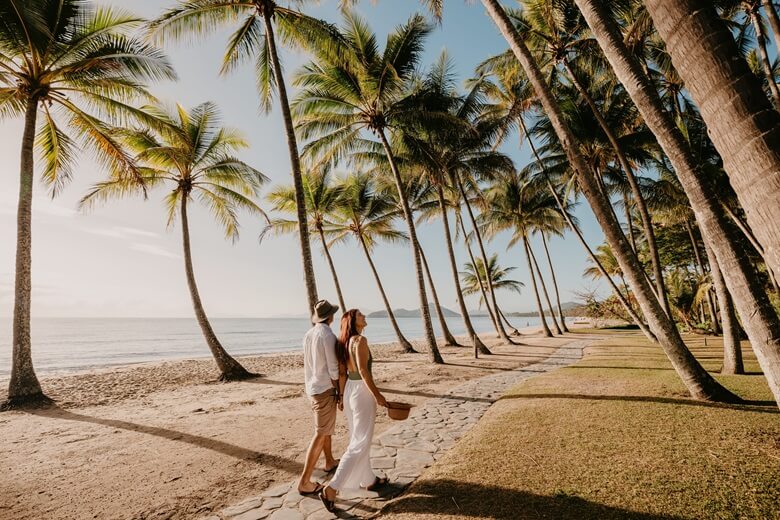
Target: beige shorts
324, 407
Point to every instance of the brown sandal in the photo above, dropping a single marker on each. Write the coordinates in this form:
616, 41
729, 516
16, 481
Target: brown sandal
330, 505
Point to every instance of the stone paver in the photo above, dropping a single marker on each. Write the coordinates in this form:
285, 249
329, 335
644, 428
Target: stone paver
404, 451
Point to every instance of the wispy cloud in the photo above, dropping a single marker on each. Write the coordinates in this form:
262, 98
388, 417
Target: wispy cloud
153, 250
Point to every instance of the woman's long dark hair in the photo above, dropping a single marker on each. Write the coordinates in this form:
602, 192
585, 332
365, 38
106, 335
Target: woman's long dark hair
348, 330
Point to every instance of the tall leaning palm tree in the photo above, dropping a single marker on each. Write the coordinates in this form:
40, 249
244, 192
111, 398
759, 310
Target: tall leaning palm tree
322, 200
256, 25
740, 119
74, 68
698, 381
759, 319
353, 88
191, 155
368, 218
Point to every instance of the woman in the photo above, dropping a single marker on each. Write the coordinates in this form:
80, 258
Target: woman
361, 397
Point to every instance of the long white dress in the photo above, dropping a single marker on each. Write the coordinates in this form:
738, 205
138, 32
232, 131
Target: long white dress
354, 469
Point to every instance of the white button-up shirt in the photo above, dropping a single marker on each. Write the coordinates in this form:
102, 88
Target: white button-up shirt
320, 364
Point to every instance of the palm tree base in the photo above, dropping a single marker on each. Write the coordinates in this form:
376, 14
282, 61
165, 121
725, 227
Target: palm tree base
407, 348
481, 347
721, 394
240, 374
26, 402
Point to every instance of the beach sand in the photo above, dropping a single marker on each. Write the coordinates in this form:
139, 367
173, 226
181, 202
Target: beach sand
164, 440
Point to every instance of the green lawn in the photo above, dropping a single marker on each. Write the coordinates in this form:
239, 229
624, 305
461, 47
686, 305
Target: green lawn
614, 436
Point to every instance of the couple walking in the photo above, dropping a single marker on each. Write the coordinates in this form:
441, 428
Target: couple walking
337, 374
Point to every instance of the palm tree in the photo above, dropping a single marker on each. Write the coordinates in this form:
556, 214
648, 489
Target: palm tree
760, 320
559, 232
192, 155
699, 383
359, 89
475, 276
419, 194
740, 119
254, 38
322, 199
368, 218
75, 67
556, 28
521, 206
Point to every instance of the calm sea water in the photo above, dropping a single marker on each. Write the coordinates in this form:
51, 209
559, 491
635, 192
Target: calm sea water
77, 344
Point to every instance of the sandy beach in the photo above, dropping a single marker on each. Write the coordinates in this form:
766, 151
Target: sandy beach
164, 440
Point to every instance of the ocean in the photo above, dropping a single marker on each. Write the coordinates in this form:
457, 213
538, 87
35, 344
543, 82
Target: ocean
80, 344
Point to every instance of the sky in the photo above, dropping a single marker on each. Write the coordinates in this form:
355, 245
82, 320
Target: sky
120, 259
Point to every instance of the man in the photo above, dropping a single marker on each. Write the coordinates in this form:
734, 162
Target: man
321, 374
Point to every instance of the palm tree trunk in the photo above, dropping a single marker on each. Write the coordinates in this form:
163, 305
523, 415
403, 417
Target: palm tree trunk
24, 387
501, 314
741, 122
618, 294
639, 199
544, 291
295, 162
763, 55
774, 20
555, 284
405, 345
539, 307
491, 290
482, 289
699, 383
425, 312
732, 347
332, 270
751, 302
476, 341
449, 339
752, 239
230, 369
629, 223
702, 271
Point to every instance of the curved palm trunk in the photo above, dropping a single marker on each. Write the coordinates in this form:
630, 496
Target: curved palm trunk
618, 294
24, 387
740, 119
230, 369
405, 345
752, 239
491, 290
763, 56
544, 291
295, 162
774, 20
699, 383
476, 341
636, 192
482, 290
514, 329
449, 339
629, 224
332, 270
752, 304
732, 347
425, 312
539, 307
555, 284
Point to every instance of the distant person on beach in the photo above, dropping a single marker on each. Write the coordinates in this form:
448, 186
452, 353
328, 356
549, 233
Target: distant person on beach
360, 400
321, 375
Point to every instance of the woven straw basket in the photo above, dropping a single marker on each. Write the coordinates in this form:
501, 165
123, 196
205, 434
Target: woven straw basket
397, 410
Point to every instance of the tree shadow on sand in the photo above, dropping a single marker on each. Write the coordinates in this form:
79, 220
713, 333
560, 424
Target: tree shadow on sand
453, 498
745, 406
225, 448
